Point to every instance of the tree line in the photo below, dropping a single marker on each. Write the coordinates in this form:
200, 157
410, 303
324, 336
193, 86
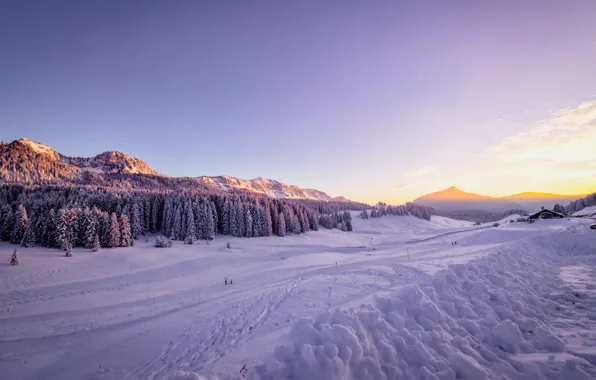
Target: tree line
64, 216
577, 205
416, 210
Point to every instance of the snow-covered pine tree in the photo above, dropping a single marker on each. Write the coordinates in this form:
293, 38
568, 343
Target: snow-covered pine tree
295, 224
247, 222
190, 233
81, 226
20, 225
177, 228
135, 221
48, 237
268, 221
146, 214
96, 245
281, 227
91, 228
14, 259
155, 215
114, 231
215, 219
349, 227
211, 221
104, 229
29, 236
287, 213
257, 224
303, 221
65, 230
225, 218
7, 224
234, 228
125, 232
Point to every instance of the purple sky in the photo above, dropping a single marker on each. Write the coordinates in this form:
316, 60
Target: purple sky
380, 100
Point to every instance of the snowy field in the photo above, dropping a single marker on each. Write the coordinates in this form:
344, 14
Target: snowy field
395, 299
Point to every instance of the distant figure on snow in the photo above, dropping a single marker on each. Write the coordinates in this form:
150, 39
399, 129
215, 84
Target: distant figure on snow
231, 281
226, 281
14, 260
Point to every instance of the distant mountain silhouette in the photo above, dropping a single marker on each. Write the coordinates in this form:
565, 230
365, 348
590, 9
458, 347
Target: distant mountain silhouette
452, 199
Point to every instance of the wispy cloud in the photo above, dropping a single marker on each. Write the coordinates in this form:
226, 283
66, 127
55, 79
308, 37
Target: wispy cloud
421, 171
562, 146
400, 186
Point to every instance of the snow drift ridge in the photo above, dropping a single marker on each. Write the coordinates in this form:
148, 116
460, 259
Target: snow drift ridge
473, 321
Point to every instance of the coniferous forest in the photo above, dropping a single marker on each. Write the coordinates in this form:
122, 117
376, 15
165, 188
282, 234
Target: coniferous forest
87, 216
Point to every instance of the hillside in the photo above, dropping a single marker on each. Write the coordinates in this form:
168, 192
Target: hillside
269, 187
454, 199
28, 162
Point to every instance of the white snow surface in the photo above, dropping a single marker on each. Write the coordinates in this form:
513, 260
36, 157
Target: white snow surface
395, 299
586, 211
37, 147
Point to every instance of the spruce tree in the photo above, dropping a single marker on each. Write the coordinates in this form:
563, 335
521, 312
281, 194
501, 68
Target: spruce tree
104, 229
91, 228
20, 225
29, 237
125, 232
135, 221
155, 215
211, 222
215, 219
14, 259
177, 228
96, 244
65, 230
114, 231
281, 227
50, 227
7, 224
295, 224
225, 218
247, 222
191, 231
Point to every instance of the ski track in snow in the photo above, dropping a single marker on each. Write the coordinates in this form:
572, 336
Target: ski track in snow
131, 314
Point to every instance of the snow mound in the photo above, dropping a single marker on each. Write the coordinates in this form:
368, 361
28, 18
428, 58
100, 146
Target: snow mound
587, 211
471, 322
509, 218
443, 221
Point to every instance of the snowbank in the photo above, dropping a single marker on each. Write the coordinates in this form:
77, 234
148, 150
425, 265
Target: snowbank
507, 219
445, 222
473, 321
587, 211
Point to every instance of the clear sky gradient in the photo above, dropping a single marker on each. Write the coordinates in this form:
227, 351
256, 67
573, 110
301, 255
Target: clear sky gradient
380, 100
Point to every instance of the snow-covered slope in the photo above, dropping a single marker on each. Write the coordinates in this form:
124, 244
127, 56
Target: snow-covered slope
392, 300
587, 211
268, 187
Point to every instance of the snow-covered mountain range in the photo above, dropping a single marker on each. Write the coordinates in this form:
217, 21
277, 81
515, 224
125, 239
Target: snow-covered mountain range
268, 187
26, 161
